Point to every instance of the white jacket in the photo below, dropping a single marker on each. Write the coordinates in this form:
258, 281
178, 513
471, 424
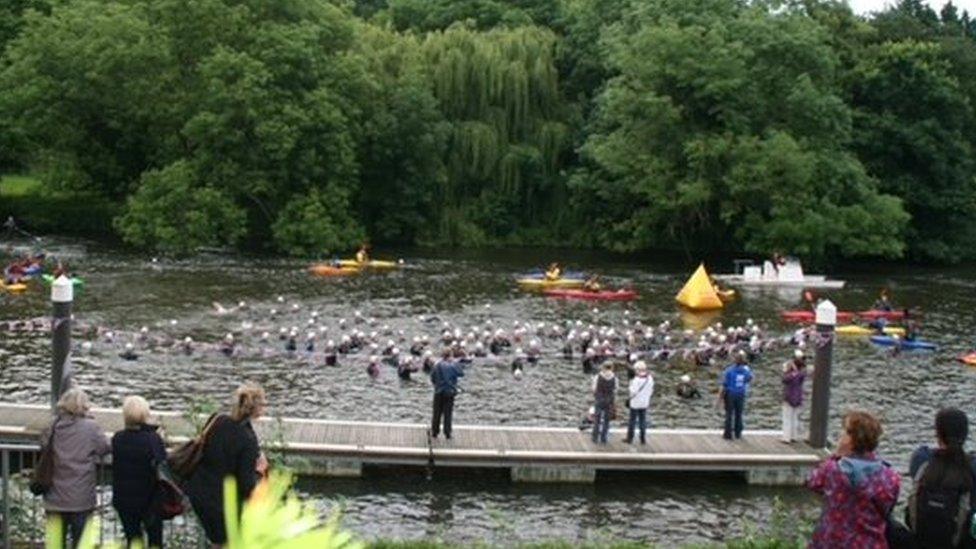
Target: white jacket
641, 389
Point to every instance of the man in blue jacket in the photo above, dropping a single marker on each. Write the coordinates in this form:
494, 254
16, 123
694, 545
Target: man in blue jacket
444, 376
735, 386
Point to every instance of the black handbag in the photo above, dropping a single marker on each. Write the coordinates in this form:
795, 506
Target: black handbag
42, 477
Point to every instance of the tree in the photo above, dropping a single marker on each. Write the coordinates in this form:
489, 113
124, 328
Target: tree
724, 121
912, 123
171, 212
316, 224
499, 90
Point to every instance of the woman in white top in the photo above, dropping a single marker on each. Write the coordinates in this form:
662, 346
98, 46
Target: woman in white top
641, 389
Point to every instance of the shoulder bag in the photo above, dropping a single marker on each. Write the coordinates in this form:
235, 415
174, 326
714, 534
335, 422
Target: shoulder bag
184, 460
42, 477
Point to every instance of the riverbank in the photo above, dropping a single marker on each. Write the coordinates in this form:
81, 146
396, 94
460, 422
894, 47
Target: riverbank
40, 211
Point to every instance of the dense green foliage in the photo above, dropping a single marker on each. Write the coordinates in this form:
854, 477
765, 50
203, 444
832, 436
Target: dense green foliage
306, 126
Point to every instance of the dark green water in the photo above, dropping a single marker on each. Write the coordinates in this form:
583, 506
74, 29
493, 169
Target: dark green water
466, 290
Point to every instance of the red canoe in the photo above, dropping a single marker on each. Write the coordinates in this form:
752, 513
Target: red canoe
810, 316
603, 295
875, 314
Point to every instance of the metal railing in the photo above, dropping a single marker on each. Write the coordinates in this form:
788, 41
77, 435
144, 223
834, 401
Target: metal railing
22, 522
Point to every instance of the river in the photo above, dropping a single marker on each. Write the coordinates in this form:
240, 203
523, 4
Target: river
125, 292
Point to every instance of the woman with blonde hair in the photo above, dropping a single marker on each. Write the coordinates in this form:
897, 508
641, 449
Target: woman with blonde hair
77, 446
230, 448
137, 452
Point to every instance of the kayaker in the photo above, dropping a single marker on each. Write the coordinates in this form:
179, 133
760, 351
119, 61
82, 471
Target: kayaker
362, 256
878, 325
911, 330
592, 284
554, 272
883, 303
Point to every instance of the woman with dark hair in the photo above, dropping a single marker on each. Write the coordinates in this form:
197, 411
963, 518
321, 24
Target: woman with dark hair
940, 508
858, 489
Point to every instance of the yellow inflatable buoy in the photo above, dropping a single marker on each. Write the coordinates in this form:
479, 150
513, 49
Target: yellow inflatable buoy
698, 293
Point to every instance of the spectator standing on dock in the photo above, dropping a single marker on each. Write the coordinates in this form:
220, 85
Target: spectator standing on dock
639, 400
604, 388
858, 489
77, 445
735, 387
444, 377
230, 448
137, 452
940, 509
794, 372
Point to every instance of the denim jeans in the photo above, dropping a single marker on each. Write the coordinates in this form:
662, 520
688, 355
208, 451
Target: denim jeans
601, 425
734, 404
637, 418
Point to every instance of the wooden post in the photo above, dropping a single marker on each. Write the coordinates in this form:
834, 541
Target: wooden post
62, 295
823, 362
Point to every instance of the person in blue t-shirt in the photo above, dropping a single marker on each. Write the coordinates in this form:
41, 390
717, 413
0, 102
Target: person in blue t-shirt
735, 386
444, 377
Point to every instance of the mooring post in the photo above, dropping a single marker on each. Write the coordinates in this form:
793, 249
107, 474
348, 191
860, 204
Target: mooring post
823, 361
62, 294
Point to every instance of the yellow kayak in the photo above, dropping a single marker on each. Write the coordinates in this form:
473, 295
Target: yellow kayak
13, 288
855, 330
371, 264
543, 284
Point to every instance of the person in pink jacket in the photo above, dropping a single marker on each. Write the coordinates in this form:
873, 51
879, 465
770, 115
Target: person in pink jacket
858, 489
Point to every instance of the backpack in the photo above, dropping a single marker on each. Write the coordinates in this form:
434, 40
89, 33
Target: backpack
938, 516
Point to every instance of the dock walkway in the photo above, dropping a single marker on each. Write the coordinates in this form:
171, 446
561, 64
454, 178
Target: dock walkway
540, 454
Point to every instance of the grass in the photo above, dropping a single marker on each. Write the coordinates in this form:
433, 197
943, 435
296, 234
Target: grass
40, 212
18, 185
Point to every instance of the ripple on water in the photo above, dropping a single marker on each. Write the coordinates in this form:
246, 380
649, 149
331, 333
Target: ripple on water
126, 292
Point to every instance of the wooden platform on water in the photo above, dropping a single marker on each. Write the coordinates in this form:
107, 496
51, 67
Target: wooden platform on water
541, 454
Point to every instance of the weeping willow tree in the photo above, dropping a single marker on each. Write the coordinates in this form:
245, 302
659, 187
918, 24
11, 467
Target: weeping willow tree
499, 90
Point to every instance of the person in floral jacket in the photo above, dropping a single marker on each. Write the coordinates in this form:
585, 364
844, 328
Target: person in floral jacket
858, 489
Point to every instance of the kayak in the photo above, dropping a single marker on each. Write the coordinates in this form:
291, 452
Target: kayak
323, 269
75, 281
855, 330
602, 295
542, 284
969, 359
569, 275
888, 341
371, 264
810, 316
874, 314
13, 288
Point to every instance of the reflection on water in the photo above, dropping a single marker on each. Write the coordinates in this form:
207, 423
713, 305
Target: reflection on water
126, 292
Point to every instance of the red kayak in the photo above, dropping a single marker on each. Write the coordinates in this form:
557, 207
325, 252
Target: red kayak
602, 295
874, 314
810, 316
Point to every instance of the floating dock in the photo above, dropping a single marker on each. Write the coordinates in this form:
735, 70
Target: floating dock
531, 454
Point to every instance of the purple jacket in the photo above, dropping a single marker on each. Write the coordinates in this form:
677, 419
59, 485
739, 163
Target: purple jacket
793, 386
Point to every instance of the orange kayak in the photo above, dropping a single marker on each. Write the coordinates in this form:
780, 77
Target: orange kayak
323, 269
